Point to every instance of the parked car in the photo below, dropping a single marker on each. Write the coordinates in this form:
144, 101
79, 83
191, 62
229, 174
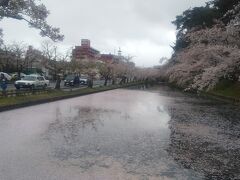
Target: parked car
14, 76
32, 81
84, 81
7, 76
72, 80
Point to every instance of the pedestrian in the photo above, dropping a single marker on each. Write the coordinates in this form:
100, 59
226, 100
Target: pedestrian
3, 84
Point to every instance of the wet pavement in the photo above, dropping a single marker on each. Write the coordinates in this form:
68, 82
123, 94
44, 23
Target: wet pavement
155, 133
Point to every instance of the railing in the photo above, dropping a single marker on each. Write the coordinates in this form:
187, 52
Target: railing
25, 92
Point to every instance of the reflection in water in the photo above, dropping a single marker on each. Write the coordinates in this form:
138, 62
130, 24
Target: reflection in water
158, 133
68, 126
127, 126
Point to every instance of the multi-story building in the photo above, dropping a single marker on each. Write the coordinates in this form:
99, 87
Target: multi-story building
36, 62
85, 51
109, 58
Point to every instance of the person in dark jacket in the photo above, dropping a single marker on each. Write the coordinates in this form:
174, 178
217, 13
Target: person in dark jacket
3, 84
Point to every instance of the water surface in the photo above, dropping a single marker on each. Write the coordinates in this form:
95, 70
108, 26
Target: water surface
157, 133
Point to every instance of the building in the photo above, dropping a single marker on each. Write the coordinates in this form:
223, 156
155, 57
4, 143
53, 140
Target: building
85, 51
109, 58
36, 62
33, 58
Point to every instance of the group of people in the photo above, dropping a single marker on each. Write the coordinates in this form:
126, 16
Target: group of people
3, 83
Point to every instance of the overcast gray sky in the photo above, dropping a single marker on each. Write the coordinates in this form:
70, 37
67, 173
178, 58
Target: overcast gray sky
141, 28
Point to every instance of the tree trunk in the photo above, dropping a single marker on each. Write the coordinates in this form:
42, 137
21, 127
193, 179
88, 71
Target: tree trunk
113, 81
58, 83
146, 82
90, 83
106, 81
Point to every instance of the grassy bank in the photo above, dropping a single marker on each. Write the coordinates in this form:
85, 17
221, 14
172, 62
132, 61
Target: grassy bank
52, 95
227, 90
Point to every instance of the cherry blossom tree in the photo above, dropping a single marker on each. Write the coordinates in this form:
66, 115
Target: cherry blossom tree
33, 12
212, 55
106, 71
